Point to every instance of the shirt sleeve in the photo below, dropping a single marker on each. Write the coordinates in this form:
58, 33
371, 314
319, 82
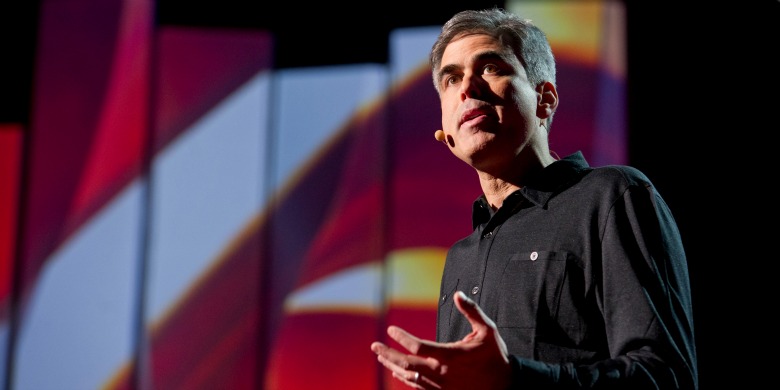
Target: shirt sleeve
645, 300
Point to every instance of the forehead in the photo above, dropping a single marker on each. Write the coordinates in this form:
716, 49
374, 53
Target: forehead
466, 47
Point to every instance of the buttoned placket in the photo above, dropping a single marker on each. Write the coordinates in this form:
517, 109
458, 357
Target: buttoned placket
487, 236
485, 243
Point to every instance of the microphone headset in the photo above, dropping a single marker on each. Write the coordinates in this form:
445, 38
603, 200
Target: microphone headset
439, 134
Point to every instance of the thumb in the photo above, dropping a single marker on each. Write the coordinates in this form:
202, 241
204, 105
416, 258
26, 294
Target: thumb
479, 321
483, 329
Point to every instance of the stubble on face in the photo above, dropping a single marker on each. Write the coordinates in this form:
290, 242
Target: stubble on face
481, 112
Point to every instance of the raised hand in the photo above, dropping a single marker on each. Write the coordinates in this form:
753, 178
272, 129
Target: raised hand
478, 361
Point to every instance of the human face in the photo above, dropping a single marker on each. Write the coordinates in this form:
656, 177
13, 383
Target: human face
488, 107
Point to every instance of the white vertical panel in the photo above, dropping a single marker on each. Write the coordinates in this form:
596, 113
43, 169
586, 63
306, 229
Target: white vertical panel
207, 189
409, 51
78, 328
314, 104
316, 108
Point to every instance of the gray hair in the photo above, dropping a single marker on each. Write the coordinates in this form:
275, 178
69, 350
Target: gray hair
527, 41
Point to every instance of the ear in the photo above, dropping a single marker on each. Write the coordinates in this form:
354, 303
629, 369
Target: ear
547, 99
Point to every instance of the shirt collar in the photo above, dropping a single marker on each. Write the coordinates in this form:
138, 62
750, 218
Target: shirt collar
552, 179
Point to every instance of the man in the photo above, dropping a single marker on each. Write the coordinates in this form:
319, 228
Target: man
574, 277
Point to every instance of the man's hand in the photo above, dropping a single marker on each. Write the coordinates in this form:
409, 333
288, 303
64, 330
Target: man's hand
478, 361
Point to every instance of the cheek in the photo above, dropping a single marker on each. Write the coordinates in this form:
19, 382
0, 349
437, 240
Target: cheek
449, 112
522, 104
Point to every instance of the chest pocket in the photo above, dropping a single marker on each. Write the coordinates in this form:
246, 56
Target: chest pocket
537, 291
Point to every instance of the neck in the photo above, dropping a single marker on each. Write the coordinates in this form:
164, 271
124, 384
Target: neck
498, 185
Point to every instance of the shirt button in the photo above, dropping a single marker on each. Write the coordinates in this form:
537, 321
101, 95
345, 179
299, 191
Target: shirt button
488, 235
534, 256
475, 290
444, 297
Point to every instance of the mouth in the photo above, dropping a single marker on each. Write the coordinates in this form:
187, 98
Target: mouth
476, 113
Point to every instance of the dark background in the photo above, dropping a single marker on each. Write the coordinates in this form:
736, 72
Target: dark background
702, 90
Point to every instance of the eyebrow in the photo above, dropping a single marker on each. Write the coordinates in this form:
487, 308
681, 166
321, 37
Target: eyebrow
480, 57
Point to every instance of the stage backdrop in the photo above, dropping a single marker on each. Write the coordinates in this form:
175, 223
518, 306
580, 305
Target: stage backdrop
181, 215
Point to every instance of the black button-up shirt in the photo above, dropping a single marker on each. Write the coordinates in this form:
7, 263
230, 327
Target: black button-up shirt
583, 272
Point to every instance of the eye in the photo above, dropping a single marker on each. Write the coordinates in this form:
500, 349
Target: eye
490, 69
451, 80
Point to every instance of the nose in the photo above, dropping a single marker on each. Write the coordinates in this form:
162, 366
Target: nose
471, 87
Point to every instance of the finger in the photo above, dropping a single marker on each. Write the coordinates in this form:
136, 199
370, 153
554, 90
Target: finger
377, 347
426, 352
417, 381
406, 339
426, 382
479, 321
388, 355
402, 370
397, 361
405, 366
482, 326
413, 380
430, 352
